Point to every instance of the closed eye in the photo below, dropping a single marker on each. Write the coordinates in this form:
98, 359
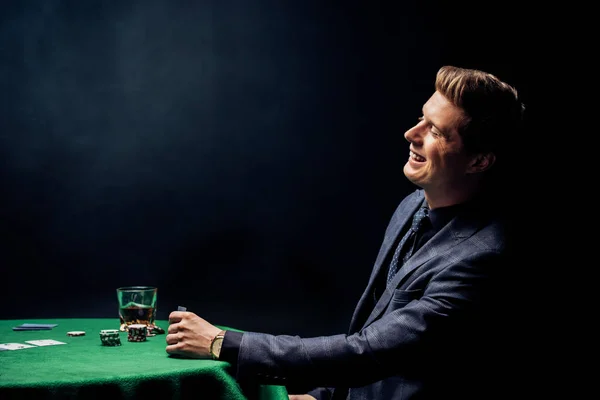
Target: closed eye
432, 128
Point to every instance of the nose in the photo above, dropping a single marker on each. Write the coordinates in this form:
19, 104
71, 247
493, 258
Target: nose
415, 133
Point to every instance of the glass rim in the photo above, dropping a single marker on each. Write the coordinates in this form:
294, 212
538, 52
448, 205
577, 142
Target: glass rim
135, 288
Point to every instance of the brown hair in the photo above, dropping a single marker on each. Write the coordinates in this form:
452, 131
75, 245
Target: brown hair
493, 110
493, 123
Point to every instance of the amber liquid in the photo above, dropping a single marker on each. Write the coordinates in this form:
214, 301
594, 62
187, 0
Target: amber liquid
133, 313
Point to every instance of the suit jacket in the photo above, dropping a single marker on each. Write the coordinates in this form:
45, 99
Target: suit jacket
422, 338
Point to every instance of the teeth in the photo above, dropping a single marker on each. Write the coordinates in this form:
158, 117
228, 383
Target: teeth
415, 157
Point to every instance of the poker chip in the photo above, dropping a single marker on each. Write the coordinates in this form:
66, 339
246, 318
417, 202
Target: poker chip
110, 337
109, 332
154, 330
76, 333
137, 333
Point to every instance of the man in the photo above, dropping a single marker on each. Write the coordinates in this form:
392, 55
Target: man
421, 327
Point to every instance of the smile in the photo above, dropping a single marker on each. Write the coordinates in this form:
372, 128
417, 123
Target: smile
415, 156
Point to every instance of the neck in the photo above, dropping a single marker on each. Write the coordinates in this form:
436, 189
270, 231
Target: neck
449, 197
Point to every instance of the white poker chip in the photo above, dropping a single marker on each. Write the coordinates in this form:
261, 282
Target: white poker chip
76, 333
109, 332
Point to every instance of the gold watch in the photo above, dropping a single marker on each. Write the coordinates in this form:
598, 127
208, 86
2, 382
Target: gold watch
216, 344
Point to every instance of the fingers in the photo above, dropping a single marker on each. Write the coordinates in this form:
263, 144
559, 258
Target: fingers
176, 316
183, 350
175, 345
174, 349
173, 328
173, 338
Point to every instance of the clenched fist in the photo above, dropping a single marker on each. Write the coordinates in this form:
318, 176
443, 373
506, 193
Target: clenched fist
189, 335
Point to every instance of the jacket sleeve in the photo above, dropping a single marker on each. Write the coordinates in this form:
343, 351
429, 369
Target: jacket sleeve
321, 393
404, 337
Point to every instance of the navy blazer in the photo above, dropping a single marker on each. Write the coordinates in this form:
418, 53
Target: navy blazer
421, 340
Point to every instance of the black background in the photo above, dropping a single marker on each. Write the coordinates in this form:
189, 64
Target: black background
242, 156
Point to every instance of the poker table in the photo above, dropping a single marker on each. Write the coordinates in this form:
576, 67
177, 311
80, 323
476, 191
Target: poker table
83, 368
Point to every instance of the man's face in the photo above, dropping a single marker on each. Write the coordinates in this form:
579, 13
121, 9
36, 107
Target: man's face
438, 161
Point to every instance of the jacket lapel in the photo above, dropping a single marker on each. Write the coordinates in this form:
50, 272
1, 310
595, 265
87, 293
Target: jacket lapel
400, 218
457, 230
396, 227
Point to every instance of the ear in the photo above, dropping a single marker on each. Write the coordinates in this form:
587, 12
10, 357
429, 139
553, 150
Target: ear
481, 162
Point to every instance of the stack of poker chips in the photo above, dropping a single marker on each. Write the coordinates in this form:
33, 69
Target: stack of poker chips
153, 329
137, 333
110, 337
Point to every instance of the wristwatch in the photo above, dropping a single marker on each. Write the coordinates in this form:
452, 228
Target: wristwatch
215, 345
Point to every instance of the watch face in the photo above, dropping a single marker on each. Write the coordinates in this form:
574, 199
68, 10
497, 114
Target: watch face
216, 347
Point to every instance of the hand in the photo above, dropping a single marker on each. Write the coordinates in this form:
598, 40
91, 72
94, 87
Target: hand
301, 397
189, 335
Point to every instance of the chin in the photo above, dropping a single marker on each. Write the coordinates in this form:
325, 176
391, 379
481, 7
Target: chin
410, 175
415, 180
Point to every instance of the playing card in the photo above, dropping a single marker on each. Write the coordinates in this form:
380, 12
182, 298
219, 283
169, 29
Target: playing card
14, 346
44, 342
34, 327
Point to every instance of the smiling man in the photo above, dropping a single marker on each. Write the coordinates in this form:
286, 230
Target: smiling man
438, 161
424, 326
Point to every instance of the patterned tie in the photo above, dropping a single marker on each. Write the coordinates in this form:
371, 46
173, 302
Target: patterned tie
409, 237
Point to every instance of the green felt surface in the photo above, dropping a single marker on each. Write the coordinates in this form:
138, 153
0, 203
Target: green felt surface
84, 368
